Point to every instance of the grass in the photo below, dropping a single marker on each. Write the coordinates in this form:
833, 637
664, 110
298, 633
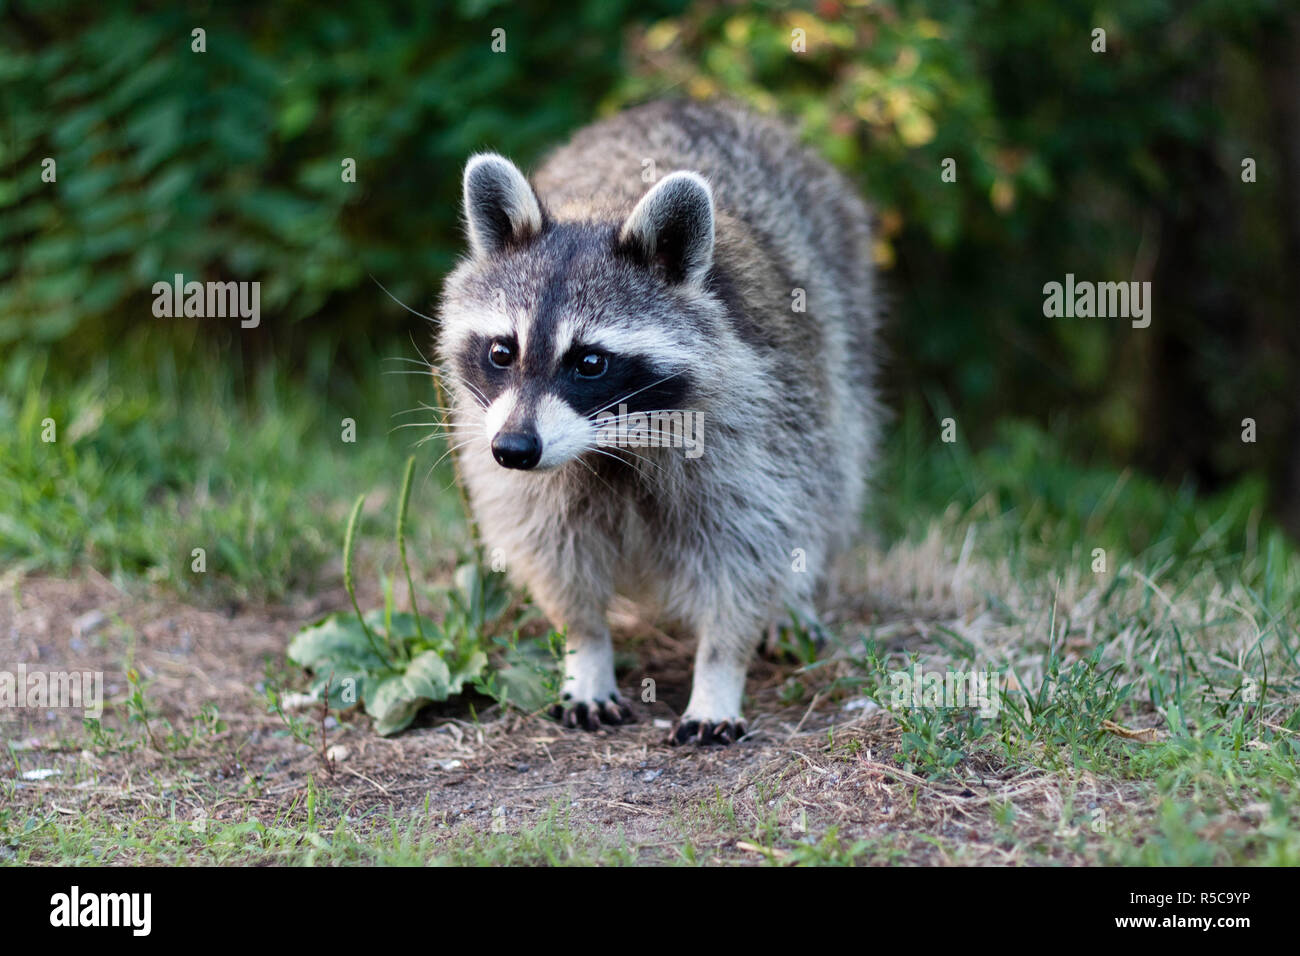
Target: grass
1153, 707
157, 455
1192, 632
314, 830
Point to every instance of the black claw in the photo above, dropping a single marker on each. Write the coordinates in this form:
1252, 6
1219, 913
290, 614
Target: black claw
615, 712
592, 716
703, 732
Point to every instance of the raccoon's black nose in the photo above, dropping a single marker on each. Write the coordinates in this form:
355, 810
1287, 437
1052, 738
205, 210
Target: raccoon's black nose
517, 449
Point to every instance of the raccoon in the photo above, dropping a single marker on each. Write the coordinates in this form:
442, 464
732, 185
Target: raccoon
677, 257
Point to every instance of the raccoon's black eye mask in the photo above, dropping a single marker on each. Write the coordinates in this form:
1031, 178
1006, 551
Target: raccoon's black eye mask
624, 380
589, 379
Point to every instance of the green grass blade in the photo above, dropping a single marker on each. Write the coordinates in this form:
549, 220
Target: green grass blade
349, 546
403, 502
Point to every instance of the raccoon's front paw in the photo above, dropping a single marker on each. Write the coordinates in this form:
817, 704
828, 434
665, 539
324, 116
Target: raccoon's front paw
689, 730
592, 714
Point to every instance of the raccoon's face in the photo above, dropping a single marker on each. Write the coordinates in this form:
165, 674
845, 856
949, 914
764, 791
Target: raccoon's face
551, 328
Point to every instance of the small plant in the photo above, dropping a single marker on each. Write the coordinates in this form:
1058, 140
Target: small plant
394, 663
297, 728
529, 673
1066, 714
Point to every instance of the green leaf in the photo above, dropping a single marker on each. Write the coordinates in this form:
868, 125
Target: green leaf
396, 700
405, 628
468, 671
337, 641
391, 707
523, 687
482, 598
427, 676
528, 678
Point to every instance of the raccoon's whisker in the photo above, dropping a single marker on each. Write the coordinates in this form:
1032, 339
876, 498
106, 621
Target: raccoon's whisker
633, 394
455, 447
445, 429
446, 436
401, 358
641, 458
436, 409
658, 411
430, 437
429, 474
478, 392
479, 398
419, 351
649, 435
439, 410
419, 425
401, 303
623, 448
424, 362
596, 476
624, 495
652, 411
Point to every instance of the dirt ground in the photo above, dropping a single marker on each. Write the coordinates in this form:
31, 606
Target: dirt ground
810, 772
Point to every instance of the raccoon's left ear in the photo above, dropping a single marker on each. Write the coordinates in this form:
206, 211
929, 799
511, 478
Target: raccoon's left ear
672, 227
500, 207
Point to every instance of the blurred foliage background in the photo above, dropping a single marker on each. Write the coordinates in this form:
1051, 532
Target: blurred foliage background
225, 165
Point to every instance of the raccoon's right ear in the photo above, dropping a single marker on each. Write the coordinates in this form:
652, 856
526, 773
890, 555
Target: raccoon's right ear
672, 227
501, 209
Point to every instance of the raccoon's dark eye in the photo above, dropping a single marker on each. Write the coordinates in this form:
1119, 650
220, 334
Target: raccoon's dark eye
501, 354
592, 365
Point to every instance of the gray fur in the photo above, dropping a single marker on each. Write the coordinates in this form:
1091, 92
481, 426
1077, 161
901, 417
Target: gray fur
788, 397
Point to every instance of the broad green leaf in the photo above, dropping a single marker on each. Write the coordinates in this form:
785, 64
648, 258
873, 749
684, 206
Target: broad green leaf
427, 676
391, 706
403, 624
523, 687
468, 670
337, 641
